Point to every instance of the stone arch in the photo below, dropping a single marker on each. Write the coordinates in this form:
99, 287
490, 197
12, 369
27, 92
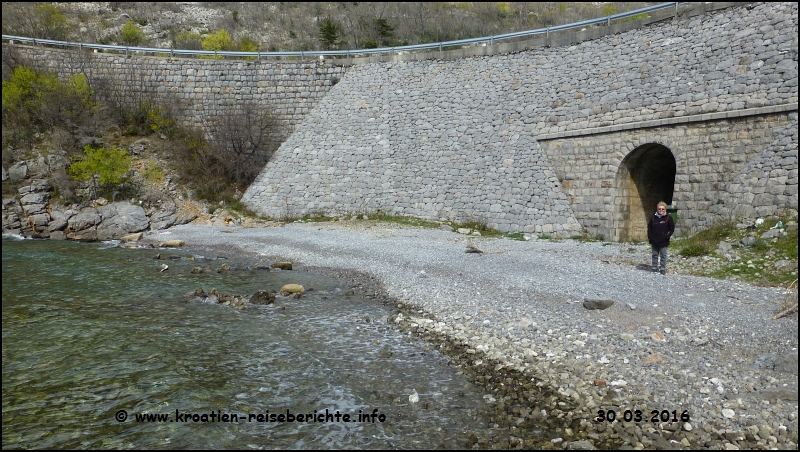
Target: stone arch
644, 177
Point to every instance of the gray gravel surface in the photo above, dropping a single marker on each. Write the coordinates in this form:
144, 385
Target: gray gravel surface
705, 348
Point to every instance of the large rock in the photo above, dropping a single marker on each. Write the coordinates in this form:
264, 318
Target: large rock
83, 226
295, 290
35, 198
162, 217
173, 244
36, 186
19, 171
58, 224
597, 303
120, 219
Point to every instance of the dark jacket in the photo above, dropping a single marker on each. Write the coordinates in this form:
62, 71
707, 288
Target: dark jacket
659, 230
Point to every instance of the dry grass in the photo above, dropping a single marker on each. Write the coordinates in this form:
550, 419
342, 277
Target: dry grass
789, 306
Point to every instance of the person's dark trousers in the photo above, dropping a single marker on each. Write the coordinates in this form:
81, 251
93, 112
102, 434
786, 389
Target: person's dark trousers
659, 252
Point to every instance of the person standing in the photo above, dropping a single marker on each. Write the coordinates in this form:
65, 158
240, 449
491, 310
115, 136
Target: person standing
659, 230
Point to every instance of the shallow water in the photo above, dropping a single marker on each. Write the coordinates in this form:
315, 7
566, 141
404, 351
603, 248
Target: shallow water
93, 330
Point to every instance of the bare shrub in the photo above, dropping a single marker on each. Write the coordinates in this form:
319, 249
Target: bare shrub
242, 139
789, 305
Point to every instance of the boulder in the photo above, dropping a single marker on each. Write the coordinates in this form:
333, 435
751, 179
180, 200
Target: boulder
35, 198
262, 297
163, 217
171, 244
19, 171
58, 224
83, 226
282, 265
39, 221
132, 237
295, 290
33, 209
120, 219
597, 303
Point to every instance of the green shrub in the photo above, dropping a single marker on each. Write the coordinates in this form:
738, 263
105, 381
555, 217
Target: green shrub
36, 102
697, 249
219, 41
49, 23
186, 40
153, 173
131, 35
760, 244
107, 168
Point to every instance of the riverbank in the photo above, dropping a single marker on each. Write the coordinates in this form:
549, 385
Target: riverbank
513, 317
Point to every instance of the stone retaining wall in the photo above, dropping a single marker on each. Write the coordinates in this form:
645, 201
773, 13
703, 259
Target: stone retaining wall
459, 139
196, 89
480, 138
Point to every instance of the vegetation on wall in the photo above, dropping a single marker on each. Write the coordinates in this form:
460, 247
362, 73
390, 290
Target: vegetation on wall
36, 102
217, 161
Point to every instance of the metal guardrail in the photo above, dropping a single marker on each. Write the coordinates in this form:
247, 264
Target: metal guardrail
349, 53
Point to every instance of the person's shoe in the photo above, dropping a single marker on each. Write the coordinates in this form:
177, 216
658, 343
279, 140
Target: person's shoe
663, 272
654, 270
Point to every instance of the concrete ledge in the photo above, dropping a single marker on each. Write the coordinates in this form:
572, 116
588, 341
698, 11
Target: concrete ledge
773, 109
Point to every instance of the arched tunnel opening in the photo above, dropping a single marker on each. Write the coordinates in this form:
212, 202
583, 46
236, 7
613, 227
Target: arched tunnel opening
645, 177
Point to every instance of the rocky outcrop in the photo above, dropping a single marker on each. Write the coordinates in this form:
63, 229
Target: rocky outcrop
32, 214
109, 222
36, 209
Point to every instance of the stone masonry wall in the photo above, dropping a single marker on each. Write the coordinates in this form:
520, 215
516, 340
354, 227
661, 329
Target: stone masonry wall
481, 138
708, 156
458, 139
768, 183
197, 89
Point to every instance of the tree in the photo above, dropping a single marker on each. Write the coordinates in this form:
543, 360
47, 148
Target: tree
186, 40
220, 41
328, 33
50, 23
107, 166
131, 35
384, 30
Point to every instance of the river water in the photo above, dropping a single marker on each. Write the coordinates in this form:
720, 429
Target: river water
95, 338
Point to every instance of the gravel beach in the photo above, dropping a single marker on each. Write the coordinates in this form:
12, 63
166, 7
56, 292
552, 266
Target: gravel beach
682, 361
